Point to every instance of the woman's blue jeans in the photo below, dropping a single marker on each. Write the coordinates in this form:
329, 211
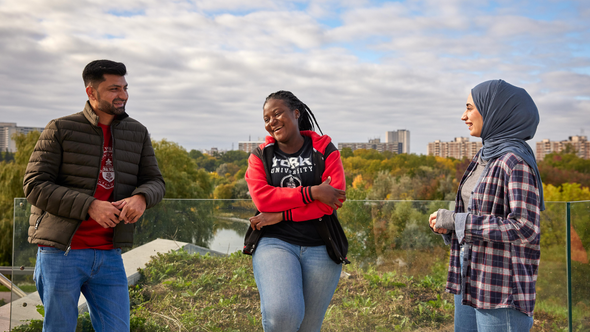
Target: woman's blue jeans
98, 274
469, 319
296, 285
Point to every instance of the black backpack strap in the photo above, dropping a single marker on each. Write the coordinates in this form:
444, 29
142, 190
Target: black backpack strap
328, 226
251, 239
265, 155
253, 235
329, 149
320, 161
333, 236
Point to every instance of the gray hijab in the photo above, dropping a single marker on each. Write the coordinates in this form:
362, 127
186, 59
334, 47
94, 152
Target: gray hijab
510, 118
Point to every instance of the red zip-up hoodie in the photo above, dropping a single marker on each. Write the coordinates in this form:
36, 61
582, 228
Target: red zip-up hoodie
295, 203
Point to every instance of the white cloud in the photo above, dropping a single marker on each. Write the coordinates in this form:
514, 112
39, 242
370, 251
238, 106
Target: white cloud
199, 71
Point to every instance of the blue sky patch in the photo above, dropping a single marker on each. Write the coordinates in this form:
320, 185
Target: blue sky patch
127, 13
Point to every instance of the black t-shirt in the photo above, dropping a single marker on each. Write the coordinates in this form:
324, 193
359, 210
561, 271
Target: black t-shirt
291, 171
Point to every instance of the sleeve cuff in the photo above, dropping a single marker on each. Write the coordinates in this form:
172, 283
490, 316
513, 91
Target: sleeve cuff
460, 221
306, 195
445, 219
288, 215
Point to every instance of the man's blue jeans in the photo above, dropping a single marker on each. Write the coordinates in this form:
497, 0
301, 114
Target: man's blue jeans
469, 319
296, 285
98, 274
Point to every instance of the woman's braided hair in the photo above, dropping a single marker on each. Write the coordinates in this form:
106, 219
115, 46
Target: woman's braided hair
306, 118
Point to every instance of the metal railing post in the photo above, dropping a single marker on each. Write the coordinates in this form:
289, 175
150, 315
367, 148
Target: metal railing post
13, 288
568, 237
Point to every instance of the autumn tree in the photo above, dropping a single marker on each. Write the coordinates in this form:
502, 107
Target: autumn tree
11, 182
565, 167
401, 176
183, 178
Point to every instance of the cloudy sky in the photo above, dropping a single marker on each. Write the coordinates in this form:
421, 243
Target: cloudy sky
199, 70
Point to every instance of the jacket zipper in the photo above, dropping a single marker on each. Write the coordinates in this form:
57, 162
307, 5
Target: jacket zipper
69, 247
100, 160
114, 162
39, 220
114, 171
71, 238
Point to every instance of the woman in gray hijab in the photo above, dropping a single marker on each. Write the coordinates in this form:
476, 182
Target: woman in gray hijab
494, 230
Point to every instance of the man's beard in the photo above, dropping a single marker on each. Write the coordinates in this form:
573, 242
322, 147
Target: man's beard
109, 108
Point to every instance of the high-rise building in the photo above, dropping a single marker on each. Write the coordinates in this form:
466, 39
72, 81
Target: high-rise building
580, 144
7, 129
401, 136
459, 148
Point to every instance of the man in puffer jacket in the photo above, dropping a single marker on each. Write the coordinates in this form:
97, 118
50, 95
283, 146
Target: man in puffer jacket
90, 178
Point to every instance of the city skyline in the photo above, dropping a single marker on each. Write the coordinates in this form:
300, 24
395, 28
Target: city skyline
8, 128
199, 71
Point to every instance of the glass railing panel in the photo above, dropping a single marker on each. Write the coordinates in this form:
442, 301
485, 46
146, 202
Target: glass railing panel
24, 257
218, 225
580, 265
552, 276
394, 236
385, 236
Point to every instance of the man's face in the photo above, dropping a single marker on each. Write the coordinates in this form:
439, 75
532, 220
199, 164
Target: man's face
111, 95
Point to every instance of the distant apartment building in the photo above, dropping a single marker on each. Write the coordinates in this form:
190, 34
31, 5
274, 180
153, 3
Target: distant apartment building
374, 144
580, 144
249, 146
7, 129
401, 137
458, 149
395, 141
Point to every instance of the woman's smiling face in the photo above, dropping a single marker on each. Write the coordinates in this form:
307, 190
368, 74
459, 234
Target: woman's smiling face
280, 121
472, 118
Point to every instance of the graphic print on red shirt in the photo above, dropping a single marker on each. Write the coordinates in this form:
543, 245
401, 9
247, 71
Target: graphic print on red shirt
91, 235
106, 180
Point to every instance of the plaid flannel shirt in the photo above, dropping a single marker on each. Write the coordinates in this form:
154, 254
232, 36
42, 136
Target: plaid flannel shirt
502, 229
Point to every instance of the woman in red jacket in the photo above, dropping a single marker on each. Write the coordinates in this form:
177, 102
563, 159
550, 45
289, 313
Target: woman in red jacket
295, 276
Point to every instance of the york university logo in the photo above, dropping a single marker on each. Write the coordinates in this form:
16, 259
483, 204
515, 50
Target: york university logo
291, 162
290, 181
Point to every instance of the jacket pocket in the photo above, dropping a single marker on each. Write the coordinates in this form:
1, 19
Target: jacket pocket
39, 220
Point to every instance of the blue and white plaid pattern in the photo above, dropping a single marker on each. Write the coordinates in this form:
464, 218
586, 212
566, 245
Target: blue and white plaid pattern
502, 228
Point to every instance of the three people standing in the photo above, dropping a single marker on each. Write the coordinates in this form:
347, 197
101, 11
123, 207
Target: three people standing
92, 175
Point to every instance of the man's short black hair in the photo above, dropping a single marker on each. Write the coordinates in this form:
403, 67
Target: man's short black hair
94, 72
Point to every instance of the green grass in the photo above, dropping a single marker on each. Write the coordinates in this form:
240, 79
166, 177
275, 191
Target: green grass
28, 288
182, 292
204, 293
24, 288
